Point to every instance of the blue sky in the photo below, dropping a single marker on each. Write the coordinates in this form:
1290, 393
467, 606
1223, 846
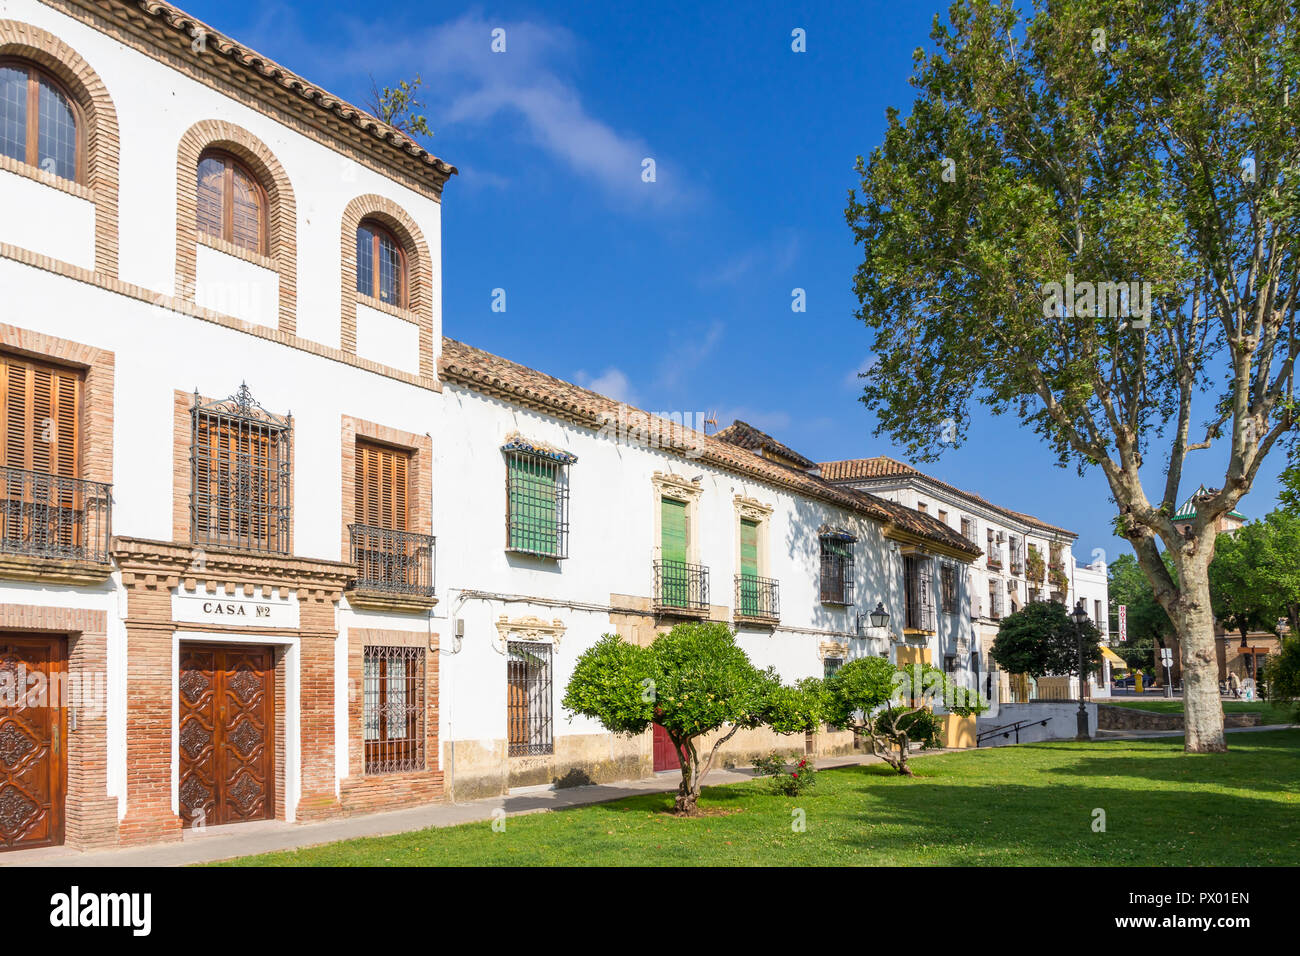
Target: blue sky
673, 295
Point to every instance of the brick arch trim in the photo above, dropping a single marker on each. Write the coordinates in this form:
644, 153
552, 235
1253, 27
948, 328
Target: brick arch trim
29, 42
419, 267
282, 210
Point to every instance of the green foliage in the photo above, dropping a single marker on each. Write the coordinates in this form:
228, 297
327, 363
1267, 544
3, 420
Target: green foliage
399, 107
1255, 574
1281, 674
1148, 622
691, 681
791, 781
1041, 638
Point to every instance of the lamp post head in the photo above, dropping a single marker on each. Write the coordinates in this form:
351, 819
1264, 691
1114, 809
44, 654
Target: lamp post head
1080, 613
879, 617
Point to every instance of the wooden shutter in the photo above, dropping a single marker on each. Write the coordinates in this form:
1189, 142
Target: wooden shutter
534, 505
381, 487
673, 535
40, 417
749, 548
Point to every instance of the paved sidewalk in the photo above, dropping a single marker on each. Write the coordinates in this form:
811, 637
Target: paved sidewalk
245, 839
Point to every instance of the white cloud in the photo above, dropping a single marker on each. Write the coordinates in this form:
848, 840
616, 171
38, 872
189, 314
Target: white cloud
770, 258
612, 383
853, 379
523, 91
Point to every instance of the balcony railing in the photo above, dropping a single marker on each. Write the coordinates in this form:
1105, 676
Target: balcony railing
758, 598
395, 562
681, 587
49, 516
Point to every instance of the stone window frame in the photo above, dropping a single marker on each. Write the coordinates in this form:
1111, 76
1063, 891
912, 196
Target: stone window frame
419, 297
751, 509
100, 133
281, 256
666, 485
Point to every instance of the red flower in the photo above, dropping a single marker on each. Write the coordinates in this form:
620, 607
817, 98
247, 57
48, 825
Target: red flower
796, 774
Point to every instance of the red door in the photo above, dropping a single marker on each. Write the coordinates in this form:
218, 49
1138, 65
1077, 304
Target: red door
665, 754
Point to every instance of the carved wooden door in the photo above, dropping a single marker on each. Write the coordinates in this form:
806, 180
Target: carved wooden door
33, 761
227, 708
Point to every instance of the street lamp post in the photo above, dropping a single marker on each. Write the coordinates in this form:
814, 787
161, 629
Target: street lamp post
1080, 616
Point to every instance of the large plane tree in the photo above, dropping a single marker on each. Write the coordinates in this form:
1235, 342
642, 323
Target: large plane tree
1088, 220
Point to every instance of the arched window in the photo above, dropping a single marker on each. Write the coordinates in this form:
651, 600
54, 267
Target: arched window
381, 264
231, 203
38, 123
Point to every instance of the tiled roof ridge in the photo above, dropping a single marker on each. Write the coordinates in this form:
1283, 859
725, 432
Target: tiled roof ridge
179, 20
485, 372
906, 469
743, 431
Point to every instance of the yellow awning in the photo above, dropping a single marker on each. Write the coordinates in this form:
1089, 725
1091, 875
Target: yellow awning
1115, 659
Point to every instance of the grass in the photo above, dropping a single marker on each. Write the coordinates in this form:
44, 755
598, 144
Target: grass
1273, 713
1027, 805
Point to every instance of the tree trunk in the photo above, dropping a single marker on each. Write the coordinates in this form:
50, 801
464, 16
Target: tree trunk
1194, 622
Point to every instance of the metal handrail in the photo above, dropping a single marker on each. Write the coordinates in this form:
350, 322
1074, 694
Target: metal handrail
53, 516
398, 562
758, 598
680, 586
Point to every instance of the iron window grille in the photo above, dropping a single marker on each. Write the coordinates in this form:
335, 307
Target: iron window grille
50, 516
394, 711
995, 601
758, 598
948, 588
240, 469
830, 665
680, 586
919, 603
397, 562
837, 569
537, 500
528, 700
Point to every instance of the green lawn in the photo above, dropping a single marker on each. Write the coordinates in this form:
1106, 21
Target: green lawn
1273, 714
1026, 805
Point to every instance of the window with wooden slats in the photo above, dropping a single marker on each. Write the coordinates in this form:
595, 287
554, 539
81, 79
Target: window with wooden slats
41, 500
231, 204
40, 417
240, 456
537, 503
381, 487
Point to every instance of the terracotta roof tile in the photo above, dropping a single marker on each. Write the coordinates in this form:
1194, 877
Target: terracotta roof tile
492, 375
744, 435
858, 469
177, 19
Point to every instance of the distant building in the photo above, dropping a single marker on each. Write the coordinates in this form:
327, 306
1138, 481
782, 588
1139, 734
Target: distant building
1025, 558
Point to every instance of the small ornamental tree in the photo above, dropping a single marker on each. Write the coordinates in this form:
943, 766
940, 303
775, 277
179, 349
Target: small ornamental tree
892, 709
693, 681
1281, 674
1041, 639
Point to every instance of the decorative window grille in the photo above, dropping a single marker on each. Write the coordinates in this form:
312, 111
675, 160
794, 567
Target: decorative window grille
537, 500
394, 709
948, 588
837, 568
830, 665
240, 470
528, 698
919, 595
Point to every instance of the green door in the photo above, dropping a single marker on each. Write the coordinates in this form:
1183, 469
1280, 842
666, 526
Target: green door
749, 598
675, 582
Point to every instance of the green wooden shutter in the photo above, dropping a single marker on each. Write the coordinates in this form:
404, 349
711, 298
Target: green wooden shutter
673, 548
533, 522
748, 567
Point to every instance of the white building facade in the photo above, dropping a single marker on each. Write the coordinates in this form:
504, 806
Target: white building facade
1024, 559
272, 548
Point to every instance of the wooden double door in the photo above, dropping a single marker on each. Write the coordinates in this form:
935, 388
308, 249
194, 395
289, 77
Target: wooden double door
227, 733
33, 733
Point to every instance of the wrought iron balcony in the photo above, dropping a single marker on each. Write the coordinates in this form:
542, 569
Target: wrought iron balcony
758, 599
392, 562
49, 516
681, 587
